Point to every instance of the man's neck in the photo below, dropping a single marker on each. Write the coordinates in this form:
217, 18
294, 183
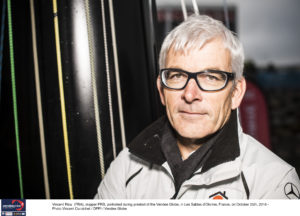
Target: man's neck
187, 146
187, 150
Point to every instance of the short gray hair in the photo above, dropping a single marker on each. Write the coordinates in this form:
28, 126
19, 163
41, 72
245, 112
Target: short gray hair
195, 32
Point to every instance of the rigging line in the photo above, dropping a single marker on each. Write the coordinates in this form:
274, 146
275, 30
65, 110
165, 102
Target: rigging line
183, 7
14, 94
226, 14
62, 99
94, 86
108, 80
117, 73
195, 6
39, 101
1, 40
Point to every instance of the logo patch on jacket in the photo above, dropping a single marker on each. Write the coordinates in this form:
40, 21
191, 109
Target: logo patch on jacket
291, 191
218, 196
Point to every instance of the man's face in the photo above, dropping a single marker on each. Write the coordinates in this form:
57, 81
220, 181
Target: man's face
194, 113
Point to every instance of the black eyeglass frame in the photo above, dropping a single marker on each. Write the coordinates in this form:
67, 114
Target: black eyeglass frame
229, 76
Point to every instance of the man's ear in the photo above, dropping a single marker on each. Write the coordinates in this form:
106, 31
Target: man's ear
160, 90
238, 93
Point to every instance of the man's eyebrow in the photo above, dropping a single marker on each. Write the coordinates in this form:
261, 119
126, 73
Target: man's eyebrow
207, 68
212, 68
174, 66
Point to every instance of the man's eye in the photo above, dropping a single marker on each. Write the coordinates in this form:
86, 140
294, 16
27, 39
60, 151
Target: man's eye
175, 76
212, 77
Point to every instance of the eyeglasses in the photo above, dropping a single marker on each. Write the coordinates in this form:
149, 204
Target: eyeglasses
207, 80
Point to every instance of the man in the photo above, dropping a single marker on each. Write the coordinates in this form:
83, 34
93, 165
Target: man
199, 150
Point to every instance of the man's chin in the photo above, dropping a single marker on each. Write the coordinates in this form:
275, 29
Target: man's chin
193, 133
191, 129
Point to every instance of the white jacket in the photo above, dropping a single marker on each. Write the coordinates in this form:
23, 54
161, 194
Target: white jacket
256, 173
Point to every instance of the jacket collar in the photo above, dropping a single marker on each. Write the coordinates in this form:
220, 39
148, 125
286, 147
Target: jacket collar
147, 145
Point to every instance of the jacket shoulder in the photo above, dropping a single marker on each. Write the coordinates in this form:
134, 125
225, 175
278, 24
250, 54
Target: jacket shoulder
113, 185
265, 172
254, 152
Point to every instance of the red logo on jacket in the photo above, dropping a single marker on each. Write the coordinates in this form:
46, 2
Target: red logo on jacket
218, 196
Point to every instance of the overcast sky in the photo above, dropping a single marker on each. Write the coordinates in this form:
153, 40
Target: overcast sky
268, 29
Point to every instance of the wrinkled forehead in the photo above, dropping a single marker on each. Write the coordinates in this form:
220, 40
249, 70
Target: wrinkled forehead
211, 55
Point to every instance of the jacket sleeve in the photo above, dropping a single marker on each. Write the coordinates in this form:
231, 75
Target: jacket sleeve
113, 184
287, 188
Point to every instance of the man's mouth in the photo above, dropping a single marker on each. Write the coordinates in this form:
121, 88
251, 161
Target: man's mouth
192, 114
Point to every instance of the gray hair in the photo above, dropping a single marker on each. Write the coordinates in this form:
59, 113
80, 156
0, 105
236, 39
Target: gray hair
195, 32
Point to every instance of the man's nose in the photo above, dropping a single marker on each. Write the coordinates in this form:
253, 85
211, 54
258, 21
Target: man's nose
192, 92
